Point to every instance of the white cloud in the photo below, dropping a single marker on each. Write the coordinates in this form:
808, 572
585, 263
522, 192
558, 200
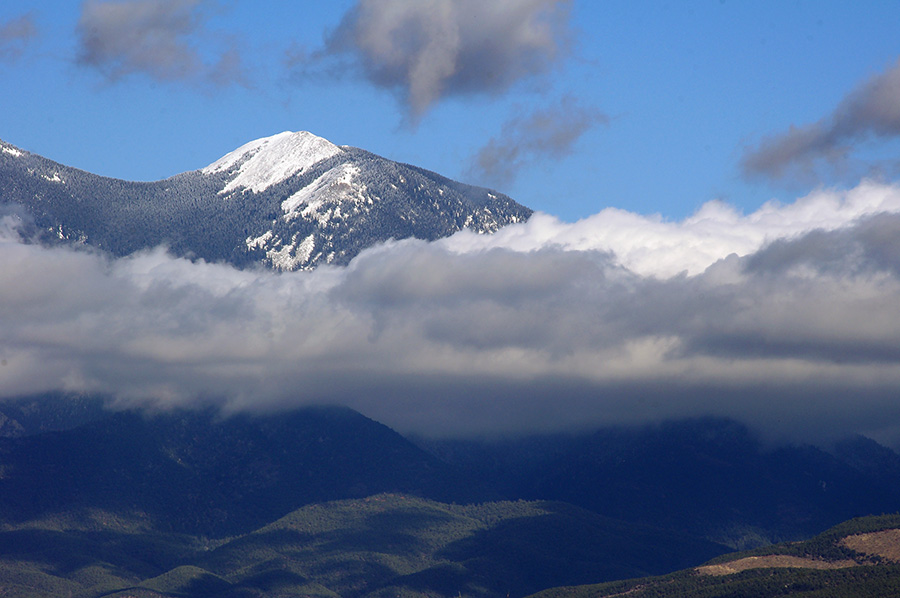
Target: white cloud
543, 326
651, 246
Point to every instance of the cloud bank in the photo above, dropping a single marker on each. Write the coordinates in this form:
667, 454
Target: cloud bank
427, 50
653, 247
156, 38
547, 134
787, 318
870, 111
15, 35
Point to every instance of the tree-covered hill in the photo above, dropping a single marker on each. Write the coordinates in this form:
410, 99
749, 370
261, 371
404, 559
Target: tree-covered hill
710, 477
382, 545
196, 472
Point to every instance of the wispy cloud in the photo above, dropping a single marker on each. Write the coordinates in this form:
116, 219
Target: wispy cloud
15, 36
870, 111
427, 50
156, 38
545, 134
788, 318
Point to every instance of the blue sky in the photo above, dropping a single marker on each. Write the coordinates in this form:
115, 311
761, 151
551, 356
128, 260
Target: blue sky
663, 100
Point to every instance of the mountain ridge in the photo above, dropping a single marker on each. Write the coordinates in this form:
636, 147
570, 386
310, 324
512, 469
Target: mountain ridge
323, 500
291, 201
708, 476
199, 472
267, 161
379, 546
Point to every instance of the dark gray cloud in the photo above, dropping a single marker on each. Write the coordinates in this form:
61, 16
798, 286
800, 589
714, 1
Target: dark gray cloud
156, 38
798, 336
15, 35
871, 110
545, 134
429, 50
872, 246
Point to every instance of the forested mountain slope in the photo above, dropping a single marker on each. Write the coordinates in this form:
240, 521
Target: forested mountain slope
290, 201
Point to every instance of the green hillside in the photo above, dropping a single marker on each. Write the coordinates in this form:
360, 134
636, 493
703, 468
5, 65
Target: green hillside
383, 545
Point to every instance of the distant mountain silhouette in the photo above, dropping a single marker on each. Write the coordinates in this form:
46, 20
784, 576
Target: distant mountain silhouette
196, 472
709, 477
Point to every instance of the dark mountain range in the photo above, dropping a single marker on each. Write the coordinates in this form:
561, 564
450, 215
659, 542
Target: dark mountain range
291, 201
708, 477
49, 412
190, 503
191, 471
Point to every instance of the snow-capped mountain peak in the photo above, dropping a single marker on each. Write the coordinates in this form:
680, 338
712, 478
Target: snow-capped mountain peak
268, 161
291, 201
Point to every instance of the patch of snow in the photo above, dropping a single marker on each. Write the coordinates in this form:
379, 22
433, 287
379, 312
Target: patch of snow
260, 241
271, 160
11, 150
321, 199
54, 179
305, 248
283, 260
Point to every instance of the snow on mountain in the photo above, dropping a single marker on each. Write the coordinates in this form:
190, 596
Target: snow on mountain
322, 198
271, 160
8, 149
292, 201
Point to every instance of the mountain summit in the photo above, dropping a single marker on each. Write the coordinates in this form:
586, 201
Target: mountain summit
291, 201
268, 161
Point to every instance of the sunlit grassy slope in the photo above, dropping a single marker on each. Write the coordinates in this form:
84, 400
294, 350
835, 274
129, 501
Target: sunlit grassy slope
384, 545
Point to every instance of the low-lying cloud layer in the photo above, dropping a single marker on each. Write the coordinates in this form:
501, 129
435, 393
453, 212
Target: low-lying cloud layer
788, 318
427, 50
156, 38
870, 111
